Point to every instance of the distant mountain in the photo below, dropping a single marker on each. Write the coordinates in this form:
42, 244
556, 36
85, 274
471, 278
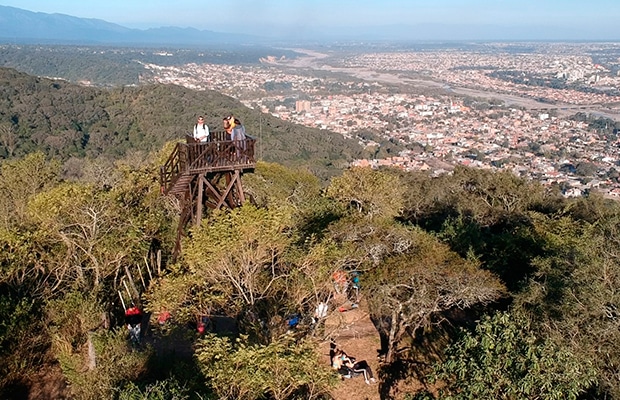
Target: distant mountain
22, 26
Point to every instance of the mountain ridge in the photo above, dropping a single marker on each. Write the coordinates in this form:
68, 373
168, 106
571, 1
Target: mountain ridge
18, 25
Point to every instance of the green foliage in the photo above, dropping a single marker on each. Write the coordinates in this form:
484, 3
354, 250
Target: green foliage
248, 262
64, 120
503, 359
283, 369
574, 296
116, 66
239, 252
71, 317
273, 185
168, 389
22, 179
19, 263
87, 233
233, 263
115, 366
73, 321
507, 248
485, 197
375, 194
411, 290
483, 214
21, 346
96, 236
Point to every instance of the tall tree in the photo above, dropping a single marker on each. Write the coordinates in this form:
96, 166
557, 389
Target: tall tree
503, 359
411, 291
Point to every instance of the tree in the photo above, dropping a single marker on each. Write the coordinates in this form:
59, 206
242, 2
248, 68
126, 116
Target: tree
501, 193
483, 197
374, 194
8, 138
273, 185
92, 238
411, 290
503, 359
280, 370
240, 253
573, 295
256, 265
20, 180
234, 264
586, 169
22, 346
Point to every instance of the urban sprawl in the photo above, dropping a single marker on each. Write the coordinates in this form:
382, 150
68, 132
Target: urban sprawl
496, 106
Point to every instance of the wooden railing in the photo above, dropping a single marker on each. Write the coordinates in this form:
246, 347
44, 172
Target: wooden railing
194, 157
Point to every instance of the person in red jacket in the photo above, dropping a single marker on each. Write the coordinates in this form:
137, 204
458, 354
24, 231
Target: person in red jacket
133, 319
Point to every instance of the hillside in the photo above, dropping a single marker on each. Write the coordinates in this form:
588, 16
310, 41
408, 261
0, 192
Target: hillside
107, 66
65, 120
469, 277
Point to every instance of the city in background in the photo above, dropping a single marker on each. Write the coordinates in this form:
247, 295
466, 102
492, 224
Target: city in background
542, 110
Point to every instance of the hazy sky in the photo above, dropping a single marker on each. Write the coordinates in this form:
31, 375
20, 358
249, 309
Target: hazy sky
259, 16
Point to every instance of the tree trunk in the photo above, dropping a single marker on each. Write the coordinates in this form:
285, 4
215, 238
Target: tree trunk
92, 357
393, 339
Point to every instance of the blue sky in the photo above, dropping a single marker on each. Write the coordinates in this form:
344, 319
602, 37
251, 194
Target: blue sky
592, 17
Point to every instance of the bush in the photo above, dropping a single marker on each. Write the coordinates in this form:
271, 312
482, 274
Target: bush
280, 370
503, 359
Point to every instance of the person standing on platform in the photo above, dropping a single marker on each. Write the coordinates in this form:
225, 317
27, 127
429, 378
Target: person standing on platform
201, 130
236, 130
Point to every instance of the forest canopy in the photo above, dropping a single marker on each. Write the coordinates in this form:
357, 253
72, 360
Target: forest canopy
489, 264
478, 284
74, 124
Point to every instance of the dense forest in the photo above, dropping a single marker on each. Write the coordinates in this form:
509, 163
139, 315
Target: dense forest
120, 66
76, 124
518, 283
480, 285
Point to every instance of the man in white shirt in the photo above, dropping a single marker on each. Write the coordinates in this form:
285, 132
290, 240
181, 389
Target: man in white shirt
201, 130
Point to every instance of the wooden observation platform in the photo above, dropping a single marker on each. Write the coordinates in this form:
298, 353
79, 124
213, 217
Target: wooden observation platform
206, 174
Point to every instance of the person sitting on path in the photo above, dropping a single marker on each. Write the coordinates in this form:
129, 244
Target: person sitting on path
346, 365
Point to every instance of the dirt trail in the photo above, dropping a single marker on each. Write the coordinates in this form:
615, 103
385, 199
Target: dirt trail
354, 332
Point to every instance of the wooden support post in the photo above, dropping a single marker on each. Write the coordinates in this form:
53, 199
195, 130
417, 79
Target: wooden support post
240, 188
201, 180
189, 202
148, 269
231, 178
230, 182
141, 277
136, 292
215, 193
